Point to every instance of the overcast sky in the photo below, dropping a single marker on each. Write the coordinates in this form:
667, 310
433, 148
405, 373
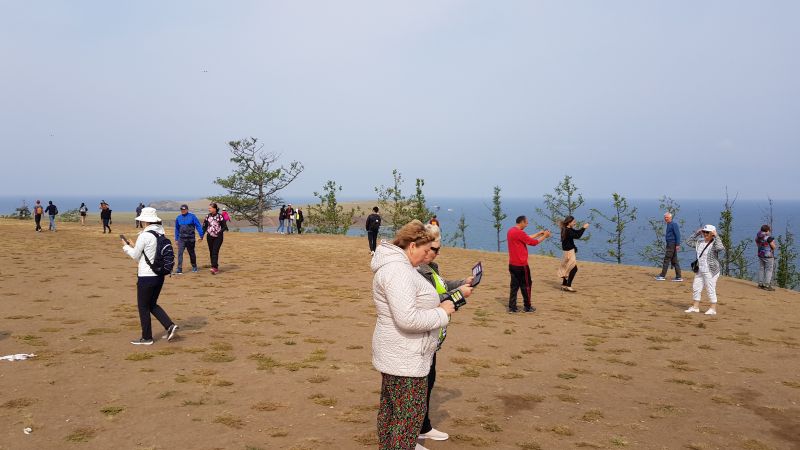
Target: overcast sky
640, 97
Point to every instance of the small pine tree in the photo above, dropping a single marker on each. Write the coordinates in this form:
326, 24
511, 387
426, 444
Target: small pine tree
23, 212
393, 203
328, 216
417, 207
564, 201
735, 262
498, 216
622, 216
460, 235
786, 275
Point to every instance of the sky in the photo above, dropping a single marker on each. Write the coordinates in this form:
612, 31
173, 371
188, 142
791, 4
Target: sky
679, 97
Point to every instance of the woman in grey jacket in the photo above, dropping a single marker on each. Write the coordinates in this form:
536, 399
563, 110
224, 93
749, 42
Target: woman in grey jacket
446, 289
707, 247
408, 314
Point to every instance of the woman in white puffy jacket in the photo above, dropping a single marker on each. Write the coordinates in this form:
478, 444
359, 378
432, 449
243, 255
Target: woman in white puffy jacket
410, 315
149, 284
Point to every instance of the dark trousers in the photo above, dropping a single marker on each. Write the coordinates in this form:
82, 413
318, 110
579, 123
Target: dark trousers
671, 258
106, 225
38, 219
299, 226
426, 424
568, 281
214, 244
188, 245
372, 236
520, 281
147, 291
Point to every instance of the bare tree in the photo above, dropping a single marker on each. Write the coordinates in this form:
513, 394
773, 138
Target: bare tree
254, 185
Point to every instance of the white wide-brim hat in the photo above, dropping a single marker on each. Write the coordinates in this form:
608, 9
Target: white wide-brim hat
148, 215
710, 228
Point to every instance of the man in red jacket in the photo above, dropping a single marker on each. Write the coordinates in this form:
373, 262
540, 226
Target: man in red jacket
518, 242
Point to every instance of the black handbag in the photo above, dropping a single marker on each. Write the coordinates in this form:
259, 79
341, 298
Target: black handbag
696, 263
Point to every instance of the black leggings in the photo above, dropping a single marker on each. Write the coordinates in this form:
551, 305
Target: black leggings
147, 292
568, 281
426, 424
214, 244
372, 236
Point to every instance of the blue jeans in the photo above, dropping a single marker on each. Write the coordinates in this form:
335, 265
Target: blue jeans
52, 223
289, 226
280, 225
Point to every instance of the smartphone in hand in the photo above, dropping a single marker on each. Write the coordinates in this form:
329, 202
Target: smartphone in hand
122, 236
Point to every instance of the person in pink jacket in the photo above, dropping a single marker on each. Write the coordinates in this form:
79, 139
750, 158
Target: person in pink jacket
409, 316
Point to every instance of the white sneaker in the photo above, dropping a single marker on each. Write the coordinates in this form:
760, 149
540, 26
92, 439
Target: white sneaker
711, 312
435, 434
419, 447
692, 309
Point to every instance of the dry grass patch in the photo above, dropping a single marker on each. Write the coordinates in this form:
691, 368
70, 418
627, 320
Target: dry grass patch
99, 331
619, 441
323, 400
791, 384
111, 411
530, 445
268, 406
140, 356
217, 357
229, 420
22, 402
681, 381
567, 376
368, 439
752, 444
592, 416
475, 441
562, 430
82, 434
86, 351
520, 402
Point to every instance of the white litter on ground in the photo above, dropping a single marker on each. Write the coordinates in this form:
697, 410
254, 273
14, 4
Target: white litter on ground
17, 357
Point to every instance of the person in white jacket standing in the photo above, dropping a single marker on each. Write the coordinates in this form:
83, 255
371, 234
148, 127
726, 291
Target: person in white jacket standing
409, 316
149, 284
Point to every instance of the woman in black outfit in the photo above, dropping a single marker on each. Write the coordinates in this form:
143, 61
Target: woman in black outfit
214, 228
569, 263
105, 215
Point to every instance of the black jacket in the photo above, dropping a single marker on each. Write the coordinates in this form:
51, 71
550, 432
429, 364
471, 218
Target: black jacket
568, 241
373, 222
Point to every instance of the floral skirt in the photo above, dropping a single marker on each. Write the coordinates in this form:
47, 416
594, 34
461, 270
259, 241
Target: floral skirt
401, 412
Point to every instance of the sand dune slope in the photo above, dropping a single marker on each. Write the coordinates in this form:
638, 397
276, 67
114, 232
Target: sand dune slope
274, 352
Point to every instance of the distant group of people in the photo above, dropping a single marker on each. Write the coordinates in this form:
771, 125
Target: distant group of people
38, 211
290, 220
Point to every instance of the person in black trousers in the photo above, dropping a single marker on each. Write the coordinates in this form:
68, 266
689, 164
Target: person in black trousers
373, 226
299, 221
105, 216
569, 263
214, 227
38, 210
149, 284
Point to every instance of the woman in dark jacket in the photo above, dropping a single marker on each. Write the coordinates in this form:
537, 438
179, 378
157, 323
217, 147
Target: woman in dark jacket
299, 221
569, 262
105, 215
446, 290
214, 226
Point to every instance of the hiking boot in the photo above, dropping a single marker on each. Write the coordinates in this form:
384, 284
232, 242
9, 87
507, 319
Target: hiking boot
142, 342
171, 331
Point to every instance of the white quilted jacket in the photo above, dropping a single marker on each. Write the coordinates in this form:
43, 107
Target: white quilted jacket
409, 317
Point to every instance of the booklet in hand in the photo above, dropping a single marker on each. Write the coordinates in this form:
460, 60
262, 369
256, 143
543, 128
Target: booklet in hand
477, 274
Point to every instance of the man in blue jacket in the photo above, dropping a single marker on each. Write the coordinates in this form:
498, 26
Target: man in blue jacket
185, 225
673, 237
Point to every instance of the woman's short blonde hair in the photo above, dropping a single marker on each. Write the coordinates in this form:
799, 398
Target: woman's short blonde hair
434, 231
413, 231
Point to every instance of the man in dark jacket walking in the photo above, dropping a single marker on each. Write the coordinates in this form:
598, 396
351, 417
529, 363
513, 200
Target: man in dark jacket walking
52, 211
185, 225
373, 226
672, 235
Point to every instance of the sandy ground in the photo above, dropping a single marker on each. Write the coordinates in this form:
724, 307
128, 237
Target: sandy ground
274, 352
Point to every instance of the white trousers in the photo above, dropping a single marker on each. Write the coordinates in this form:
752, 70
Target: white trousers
705, 279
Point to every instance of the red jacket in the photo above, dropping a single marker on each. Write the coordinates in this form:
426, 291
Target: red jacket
518, 242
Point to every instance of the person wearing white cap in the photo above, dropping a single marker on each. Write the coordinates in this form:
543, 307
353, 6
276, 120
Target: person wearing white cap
149, 284
706, 268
